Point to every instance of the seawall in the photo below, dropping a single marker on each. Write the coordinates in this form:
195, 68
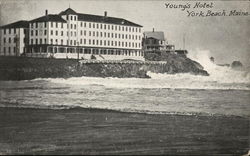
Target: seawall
24, 68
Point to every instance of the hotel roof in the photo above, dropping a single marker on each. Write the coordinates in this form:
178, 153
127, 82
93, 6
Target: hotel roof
18, 24
98, 18
49, 18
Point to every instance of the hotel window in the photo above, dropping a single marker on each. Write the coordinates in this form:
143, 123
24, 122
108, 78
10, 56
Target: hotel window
126, 28
108, 34
133, 44
9, 31
81, 24
129, 29
9, 40
61, 25
89, 33
119, 28
104, 26
136, 37
132, 36
122, 44
139, 45
51, 32
67, 26
51, 24
41, 41
36, 32
75, 26
116, 27
115, 43
75, 33
97, 34
126, 36
93, 42
97, 26
75, 18
89, 41
84, 41
89, 25
112, 27
71, 42
136, 45
122, 36
133, 30
14, 31
108, 27
139, 29
56, 25
81, 32
31, 41
93, 33
100, 42
4, 40
108, 43
80, 41
67, 17
4, 50
119, 35
85, 24
129, 36
84, 32
126, 44
71, 26
122, 28
101, 34
105, 42
45, 32
71, 33
61, 33
104, 34
93, 25
136, 29
14, 48
9, 50
112, 43
56, 32
61, 42
112, 35
74, 42
71, 17
36, 41
45, 41
96, 42
129, 44
4, 31
31, 33
101, 26
36, 25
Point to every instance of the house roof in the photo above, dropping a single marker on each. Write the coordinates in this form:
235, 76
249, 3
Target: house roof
18, 24
49, 18
97, 18
155, 34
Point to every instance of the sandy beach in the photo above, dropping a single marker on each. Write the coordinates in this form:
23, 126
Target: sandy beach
94, 131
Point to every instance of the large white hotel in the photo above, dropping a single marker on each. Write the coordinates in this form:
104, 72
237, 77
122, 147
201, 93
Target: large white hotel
73, 35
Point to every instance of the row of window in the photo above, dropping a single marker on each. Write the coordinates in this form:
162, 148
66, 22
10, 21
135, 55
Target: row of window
90, 42
11, 30
9, 49
97, 34
11, 40
92, 25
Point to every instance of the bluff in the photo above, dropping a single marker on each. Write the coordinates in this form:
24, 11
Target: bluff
24, 68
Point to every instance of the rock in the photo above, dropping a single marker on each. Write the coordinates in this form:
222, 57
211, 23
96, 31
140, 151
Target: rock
236, 64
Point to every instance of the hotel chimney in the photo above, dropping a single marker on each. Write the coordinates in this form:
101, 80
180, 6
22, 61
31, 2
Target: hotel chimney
105, 13
46, 12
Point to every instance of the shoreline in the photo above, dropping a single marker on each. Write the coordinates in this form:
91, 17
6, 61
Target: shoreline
97, 131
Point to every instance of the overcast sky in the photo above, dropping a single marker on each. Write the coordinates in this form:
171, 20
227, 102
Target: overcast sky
226, 37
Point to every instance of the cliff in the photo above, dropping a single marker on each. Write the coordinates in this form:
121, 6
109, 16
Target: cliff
22, 68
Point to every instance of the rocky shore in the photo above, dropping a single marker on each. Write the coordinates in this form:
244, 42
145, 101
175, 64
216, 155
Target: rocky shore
23, 68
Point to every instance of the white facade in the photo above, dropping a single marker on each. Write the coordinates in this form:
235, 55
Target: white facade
12, 41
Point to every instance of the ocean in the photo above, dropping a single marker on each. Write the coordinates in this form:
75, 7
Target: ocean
221, 101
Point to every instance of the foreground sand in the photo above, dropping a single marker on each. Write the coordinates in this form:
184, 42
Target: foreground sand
93, 131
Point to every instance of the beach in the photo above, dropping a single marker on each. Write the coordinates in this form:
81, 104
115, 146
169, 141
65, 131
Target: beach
96, 131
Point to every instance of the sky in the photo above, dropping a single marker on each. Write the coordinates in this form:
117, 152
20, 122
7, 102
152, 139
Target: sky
226, 37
